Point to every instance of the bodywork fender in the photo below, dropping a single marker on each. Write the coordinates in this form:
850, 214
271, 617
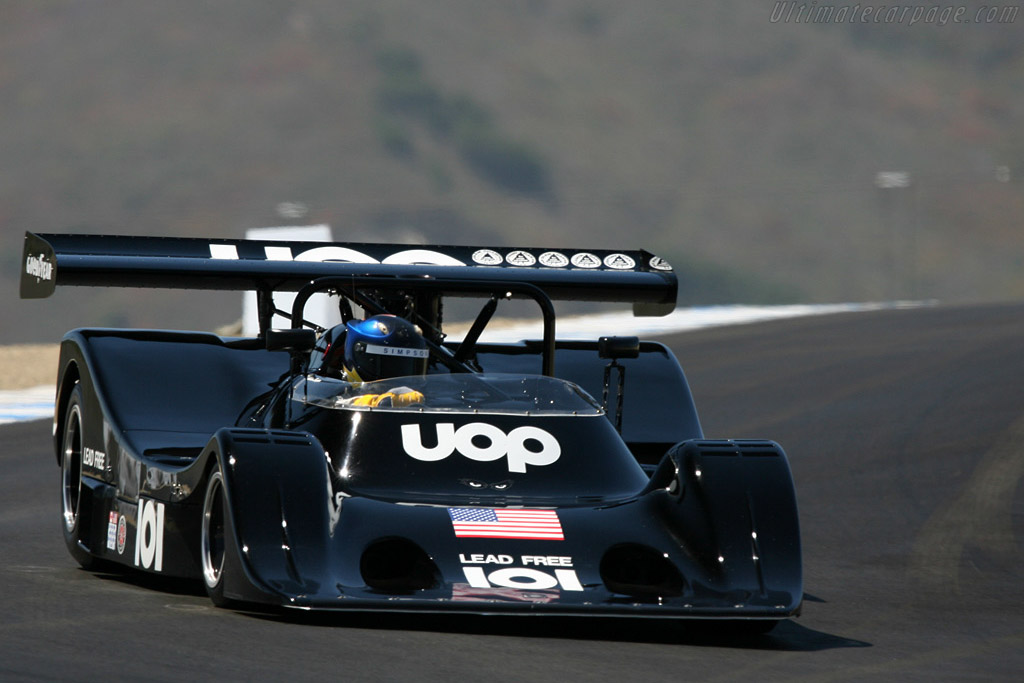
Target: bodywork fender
279, 501
732, 502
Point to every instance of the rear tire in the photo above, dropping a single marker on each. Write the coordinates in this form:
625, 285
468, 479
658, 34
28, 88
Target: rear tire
74, 502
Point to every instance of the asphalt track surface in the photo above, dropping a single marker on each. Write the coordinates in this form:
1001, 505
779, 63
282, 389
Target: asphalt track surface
905, 431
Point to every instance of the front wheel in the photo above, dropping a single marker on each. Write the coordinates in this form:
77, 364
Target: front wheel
74, 502
214, 539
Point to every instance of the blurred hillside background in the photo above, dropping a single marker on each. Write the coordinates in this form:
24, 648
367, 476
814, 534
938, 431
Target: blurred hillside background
769, 161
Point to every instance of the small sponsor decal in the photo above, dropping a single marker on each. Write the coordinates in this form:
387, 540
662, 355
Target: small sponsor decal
525, 577
487, 257
499, 445
540, 525
524, 560
122, 534
619, 262
94, 458
585, 260
520, 258
659, 263
39, 267
112, 521
149, 535
380, 350
553, 259
481, 558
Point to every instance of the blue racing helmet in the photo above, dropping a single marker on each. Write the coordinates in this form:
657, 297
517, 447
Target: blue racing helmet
384, 346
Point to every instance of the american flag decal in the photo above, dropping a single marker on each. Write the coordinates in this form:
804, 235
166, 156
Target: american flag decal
540, 525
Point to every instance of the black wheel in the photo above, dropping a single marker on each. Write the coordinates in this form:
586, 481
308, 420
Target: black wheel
73, 503
214, 538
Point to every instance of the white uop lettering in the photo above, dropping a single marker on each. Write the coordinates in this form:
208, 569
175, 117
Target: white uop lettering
422, 257
413, 444
278, 253
224, 252
484, 443
335, 253
38, 266
495, 438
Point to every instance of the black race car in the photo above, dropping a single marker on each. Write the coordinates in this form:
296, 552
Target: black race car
491, 480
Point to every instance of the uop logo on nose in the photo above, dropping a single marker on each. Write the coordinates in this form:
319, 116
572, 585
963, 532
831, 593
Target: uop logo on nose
499, 444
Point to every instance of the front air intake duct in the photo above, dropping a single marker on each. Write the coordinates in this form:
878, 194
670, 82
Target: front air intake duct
397, 565
640, 572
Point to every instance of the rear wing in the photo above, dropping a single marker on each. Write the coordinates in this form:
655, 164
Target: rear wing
637, 277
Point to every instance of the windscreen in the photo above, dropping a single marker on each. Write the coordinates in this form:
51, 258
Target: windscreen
455, 393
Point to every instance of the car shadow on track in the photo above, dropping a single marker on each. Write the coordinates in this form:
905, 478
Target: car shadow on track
787, 636
153, 582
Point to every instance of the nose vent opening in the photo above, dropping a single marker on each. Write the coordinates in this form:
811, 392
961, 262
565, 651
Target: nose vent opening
397, 565
641, 572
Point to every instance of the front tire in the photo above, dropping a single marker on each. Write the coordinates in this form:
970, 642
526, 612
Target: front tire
214, 539
74, 496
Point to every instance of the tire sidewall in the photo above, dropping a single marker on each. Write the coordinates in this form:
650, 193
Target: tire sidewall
76, 536
215, 486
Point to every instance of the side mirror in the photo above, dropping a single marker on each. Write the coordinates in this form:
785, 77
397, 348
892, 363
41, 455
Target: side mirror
296, 341
618, 347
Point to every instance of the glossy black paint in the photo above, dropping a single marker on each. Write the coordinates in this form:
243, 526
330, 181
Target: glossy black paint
116, 261
324, 510
282, 473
